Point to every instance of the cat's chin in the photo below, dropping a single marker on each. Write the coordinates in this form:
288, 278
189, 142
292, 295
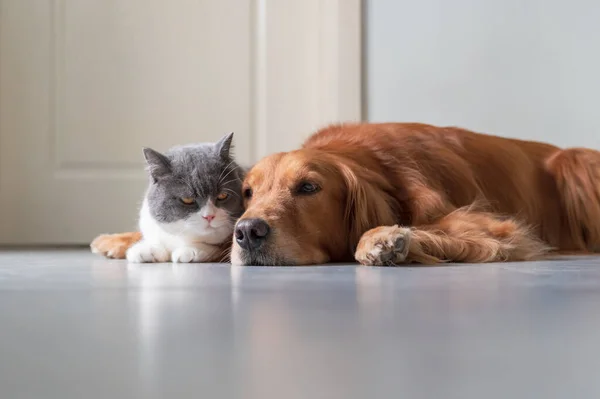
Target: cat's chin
203, 232
220, 226
211, 234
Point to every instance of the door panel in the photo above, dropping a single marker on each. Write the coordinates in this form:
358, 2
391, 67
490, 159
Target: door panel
85, 84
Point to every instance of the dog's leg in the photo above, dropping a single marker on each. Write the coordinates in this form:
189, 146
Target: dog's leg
385, 246
461, 236
115, 245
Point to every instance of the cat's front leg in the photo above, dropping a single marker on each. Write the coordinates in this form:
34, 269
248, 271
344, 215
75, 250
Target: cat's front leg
194, 254
146, 252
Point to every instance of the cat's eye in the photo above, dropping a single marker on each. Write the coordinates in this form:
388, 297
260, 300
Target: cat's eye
188, 200
222, 196
247, 193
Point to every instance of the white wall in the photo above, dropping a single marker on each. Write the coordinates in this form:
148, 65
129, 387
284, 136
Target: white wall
527, 69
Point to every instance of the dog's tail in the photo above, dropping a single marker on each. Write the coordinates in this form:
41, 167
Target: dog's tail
577, 175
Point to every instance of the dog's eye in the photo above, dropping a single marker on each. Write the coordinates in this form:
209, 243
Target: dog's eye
247, 193
187, 200
307, 188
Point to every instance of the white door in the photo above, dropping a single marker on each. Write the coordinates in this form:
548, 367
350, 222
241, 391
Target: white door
85, 84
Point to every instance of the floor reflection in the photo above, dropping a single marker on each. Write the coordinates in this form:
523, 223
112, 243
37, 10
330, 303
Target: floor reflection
352, 331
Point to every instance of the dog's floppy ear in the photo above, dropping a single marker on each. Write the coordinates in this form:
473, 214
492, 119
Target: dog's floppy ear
368, 205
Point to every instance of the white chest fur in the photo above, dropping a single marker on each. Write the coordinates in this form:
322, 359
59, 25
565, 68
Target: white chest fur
194, 239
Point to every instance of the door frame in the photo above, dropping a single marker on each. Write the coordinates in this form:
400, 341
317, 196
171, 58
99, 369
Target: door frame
327, 69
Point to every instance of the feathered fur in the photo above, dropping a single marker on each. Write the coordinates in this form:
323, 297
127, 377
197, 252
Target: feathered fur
407, 192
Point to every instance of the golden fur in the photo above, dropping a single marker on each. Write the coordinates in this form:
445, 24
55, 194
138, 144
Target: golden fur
399, 193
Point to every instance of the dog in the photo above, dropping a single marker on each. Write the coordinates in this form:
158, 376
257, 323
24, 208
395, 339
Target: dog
400, 193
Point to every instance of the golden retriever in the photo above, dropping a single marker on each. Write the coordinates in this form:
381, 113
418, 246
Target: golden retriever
396, 193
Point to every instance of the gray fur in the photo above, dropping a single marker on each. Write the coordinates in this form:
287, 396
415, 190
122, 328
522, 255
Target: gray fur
199, 171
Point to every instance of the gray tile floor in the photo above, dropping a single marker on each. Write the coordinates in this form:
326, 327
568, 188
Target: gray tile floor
73, 325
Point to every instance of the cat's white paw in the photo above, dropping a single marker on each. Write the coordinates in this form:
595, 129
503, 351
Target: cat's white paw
190, 255
144, 252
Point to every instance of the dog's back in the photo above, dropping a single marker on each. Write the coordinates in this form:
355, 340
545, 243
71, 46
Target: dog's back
554, 191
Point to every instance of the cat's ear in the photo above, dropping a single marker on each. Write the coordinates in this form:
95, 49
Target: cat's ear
158, 164
224, 146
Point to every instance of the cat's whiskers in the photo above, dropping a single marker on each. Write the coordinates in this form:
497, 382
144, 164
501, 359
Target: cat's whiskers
227, 182
231, 191
226, 255
228, 173
224, 170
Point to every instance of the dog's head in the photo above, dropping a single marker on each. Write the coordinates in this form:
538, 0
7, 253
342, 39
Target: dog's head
308, 207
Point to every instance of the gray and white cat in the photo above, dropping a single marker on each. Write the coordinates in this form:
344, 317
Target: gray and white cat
191, 204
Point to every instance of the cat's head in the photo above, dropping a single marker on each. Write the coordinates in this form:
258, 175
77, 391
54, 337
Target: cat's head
195, 187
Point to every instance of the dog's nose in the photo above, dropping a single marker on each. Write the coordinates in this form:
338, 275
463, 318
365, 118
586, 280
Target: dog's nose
251, 233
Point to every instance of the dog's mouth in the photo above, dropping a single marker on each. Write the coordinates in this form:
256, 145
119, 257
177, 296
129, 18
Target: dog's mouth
264, 260
260, 257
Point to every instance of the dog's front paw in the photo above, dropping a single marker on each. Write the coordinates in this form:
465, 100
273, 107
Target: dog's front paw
144, 252
384, 246
190, 255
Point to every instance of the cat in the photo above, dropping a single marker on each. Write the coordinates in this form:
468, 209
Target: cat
191, 204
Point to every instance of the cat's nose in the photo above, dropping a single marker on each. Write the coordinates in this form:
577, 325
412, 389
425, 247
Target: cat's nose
209, 218
251, 233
